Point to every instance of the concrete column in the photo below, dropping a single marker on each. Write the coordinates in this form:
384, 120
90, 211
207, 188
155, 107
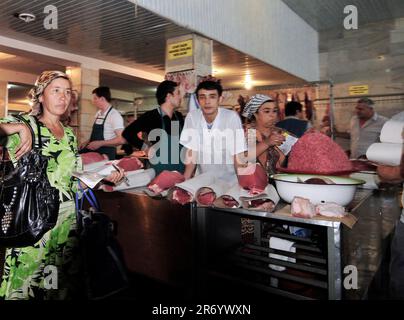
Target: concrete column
188, 58
84, 81
3, 99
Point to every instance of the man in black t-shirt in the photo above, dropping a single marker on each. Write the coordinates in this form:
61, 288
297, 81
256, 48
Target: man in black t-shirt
169, 98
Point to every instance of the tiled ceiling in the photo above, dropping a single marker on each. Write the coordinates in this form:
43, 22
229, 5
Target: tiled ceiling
329, 14
120, 32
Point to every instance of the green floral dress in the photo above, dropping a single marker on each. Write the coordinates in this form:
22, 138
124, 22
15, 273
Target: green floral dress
51, 268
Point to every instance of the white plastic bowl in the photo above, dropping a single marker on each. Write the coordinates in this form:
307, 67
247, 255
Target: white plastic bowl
342, 192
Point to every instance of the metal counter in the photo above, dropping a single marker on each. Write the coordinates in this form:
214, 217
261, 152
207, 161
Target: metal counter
222, 255
183, 245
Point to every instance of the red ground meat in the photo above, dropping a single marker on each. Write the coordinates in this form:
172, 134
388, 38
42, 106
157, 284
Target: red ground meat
317, 153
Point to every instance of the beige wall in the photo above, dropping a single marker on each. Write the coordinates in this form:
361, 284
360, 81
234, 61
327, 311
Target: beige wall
3, 98
373, 55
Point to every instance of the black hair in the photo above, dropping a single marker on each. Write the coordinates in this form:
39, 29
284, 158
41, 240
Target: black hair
103, 92
164, 88
292, 108
209, 85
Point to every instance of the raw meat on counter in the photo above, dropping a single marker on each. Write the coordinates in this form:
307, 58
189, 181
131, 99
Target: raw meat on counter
302, 208
206, 197
316, 153
262, 204
363, 165
181, 196
92, 157
165, 181
252, 178
331, 210
265, 201
130, 164
230, 202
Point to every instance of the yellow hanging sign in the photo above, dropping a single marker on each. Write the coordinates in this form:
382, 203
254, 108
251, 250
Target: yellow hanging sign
180, 50
358, 90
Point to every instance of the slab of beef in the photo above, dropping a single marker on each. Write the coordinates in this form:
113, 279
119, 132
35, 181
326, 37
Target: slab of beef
363, 165
130, 164
316, 153
207, 197
302, 208
230, 202
319, 181
181, 196
92, 157
330, 209
262, 204
165, 181
252, 178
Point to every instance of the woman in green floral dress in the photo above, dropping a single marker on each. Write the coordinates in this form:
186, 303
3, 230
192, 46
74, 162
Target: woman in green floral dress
51, 269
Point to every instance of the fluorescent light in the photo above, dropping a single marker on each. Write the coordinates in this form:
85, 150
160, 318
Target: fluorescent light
248, 84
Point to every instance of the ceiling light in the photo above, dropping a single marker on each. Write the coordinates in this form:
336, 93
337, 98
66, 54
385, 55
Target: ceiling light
248, 84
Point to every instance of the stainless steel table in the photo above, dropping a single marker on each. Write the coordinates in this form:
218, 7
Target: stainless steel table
363, 246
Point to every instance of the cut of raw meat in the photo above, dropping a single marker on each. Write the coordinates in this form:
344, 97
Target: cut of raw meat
181, 196
130, 164
165, 181
206, 197
230, 202
331, 210
316, 153
363, 165
262, 204
92, 157
302, 208
252, 178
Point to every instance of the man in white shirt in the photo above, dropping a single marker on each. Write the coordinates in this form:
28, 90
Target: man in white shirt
365, 127
213, 137
107, 128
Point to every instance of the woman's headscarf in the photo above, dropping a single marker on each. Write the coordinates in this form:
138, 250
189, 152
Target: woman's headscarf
254, 104
44, 79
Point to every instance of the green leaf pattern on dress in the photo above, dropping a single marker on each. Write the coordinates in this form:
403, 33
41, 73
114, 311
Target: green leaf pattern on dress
23, 274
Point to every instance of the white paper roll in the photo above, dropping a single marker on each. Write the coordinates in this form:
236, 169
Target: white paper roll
392, 132
385, 153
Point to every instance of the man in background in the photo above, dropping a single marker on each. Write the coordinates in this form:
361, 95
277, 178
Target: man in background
294, 122
107, 129
164, 117
365, 127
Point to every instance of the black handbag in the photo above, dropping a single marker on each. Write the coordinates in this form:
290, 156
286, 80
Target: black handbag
29, 205
104, 265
